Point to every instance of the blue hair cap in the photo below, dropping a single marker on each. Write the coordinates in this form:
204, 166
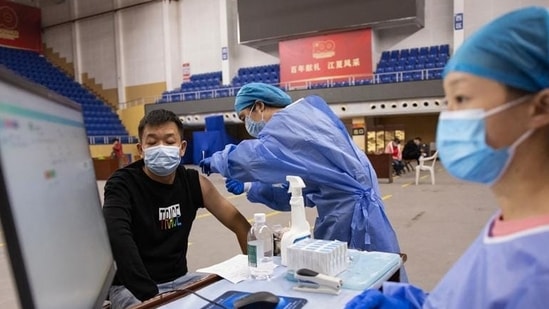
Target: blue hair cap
512, 49
252, 92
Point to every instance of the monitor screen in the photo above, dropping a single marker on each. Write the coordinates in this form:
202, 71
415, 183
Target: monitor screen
49, 202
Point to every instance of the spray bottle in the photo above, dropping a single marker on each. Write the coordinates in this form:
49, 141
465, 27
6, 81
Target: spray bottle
299, 227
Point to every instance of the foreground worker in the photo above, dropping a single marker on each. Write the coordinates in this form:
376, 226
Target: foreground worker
496, 132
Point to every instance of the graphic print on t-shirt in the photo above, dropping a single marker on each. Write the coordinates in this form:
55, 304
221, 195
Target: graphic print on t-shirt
169, 217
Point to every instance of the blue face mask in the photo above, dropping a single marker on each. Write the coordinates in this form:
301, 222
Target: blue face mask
254, 127
461, 143
162, 160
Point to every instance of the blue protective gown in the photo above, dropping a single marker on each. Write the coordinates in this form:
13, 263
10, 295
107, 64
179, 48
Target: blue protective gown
495, 272
307, 139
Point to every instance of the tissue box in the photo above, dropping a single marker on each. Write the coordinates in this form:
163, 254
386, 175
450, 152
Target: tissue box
323, 256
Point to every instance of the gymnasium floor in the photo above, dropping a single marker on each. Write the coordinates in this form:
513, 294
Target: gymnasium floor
434, 223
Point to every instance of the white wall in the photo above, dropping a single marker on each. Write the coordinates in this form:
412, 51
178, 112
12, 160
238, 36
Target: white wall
55, 13
175, 48
85, 8
61, 39
97, 49
200, 35
143, 44
478, 13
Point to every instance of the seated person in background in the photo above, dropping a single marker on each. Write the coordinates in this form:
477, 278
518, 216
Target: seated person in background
412, 150
118, 153
393, 148
497, 88
149, 208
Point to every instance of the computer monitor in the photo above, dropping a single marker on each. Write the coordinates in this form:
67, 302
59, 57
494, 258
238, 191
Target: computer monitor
50, 209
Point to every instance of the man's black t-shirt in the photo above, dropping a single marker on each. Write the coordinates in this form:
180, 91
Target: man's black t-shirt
148, 224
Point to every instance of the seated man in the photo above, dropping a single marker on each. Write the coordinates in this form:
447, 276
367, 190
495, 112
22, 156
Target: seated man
412, 150
149, 208
393, 148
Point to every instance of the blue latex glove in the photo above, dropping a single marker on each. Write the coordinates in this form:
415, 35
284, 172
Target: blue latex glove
374, 299
205, 166
234, 186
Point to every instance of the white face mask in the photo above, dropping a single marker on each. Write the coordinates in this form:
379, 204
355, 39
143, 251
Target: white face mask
162, 160
461, 142
254, 127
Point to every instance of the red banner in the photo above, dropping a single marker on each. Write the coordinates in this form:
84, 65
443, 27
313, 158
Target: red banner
336, 56
20, 26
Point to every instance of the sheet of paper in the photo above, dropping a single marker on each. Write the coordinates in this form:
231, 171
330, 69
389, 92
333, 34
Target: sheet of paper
234, 269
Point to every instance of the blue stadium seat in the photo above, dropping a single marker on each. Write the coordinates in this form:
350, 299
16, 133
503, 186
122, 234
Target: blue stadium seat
416, 75
407, 76
361, 82
388, 78
409, 67
190, 96
444, 49
434, 74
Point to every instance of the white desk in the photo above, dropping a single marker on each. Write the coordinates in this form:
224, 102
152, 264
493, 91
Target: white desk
277, 285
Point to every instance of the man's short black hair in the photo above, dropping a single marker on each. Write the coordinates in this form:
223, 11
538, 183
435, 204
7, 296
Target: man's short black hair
417, 138
115, 140
159, 117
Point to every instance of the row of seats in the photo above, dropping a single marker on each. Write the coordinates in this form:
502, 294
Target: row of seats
409, 76
259, 69
108, 139
204, 81
411, 61
208, 85
105, 128
431, 58
269, 74
96, 119
404, 65
416, 52
35, 67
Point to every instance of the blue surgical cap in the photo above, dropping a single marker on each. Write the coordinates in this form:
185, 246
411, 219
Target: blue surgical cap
513, 50
252, 92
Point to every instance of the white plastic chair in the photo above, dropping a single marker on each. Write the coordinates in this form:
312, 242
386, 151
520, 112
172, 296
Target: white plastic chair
427, 164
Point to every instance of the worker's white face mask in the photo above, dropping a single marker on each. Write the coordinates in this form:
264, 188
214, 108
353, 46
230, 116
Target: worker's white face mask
162, 160
254, 127
461, 142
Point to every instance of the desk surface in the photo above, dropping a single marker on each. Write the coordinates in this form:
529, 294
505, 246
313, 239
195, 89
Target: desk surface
277, 285
213, 286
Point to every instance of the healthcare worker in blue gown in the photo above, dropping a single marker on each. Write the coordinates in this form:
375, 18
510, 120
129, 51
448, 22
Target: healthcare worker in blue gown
307, 139
495, 132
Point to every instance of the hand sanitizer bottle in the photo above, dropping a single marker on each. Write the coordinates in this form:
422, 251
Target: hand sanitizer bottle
300, 228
